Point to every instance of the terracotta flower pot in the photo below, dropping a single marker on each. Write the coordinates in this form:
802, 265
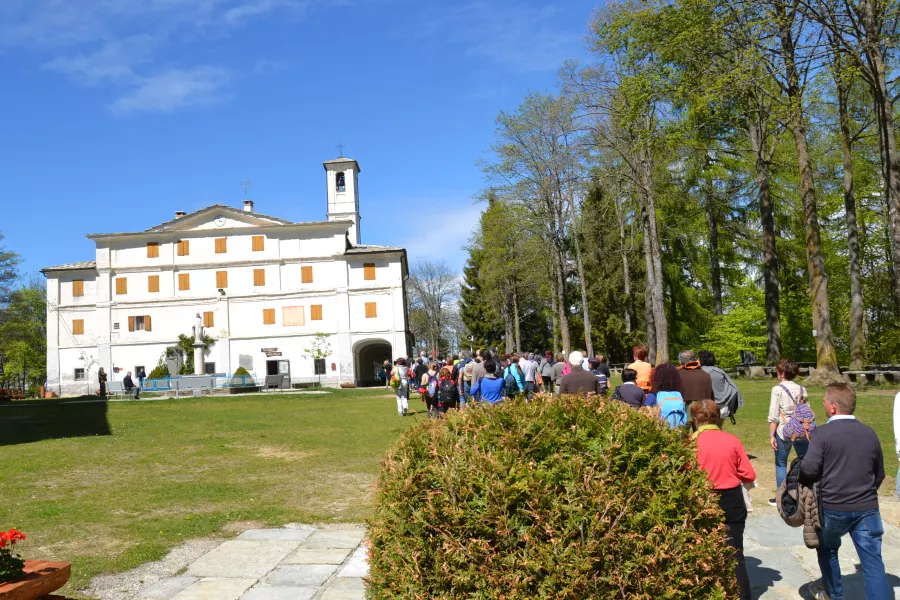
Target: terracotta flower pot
40, 579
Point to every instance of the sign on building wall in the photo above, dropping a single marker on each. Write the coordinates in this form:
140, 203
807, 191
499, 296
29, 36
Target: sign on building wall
246, 361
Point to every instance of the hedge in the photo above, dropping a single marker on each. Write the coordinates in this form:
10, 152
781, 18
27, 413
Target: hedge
562, 498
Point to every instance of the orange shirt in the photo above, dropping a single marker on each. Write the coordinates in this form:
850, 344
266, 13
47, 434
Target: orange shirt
644, 373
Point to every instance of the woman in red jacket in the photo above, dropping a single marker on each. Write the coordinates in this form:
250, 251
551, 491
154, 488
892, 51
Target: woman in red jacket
728, 467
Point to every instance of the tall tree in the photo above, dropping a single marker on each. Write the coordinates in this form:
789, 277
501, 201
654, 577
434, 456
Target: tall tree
433, 291
9, 260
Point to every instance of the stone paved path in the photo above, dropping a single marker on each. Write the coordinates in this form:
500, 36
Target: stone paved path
298, 562
302, 562
781, 567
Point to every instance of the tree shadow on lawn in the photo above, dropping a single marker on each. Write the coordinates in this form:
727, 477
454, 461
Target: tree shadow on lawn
23, 423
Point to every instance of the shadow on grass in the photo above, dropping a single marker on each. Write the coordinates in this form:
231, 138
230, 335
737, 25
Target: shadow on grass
23, 423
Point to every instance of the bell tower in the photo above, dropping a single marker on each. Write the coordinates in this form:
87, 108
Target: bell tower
342, 178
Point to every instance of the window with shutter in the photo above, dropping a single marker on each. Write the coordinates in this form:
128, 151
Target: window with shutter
222, 279
371, 310
184, 248
369, 271
78, 288
221, 246
147, 326
259, 243
306, 275
184, 281
268, 316
152, 249
77, 326
292, 316
121, 286
209, 319
259, 277
130, 323
315, 312
152, 283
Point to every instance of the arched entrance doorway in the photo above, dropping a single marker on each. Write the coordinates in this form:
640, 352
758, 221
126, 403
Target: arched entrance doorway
368, 356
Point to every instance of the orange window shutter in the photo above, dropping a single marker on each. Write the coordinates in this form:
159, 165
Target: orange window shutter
184, 281
268, 316
78, 288
130, 323
259, 277
222, 279
78, 327
208, 319
306, 275
221, 246
121, 286
371, 310
259, 243
369, 271
184, 248
152, 249
315, 312
147, 326
153, 283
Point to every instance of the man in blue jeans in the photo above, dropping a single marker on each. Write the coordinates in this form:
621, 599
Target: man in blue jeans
845, 459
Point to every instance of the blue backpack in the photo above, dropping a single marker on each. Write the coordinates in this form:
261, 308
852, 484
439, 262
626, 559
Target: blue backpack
672, 409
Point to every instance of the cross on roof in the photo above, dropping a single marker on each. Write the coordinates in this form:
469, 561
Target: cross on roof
340, 148
246, 184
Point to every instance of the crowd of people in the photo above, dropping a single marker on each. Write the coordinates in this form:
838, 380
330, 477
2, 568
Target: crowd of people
840, 461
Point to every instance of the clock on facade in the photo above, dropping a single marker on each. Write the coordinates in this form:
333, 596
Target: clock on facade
220, 221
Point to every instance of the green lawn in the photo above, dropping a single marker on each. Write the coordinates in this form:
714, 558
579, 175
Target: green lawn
172, 470
109, 486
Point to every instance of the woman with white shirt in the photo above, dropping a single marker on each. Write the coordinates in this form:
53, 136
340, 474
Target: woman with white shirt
784, 398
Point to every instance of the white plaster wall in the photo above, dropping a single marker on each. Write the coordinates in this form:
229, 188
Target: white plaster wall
387, 271
247, 316
65, 288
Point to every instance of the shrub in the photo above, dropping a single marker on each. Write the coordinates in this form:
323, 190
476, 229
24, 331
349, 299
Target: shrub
561, 498
241, 371
159, 372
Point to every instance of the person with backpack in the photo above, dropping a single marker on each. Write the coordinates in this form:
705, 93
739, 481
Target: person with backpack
665, 386
846, 461
428, 387
602, 378
696, 384
447, 391
578, 381
463, 371
528, 368
559, 371
490, 388
629, 392
783, 403
545, 367
514, 377
728, 467
725, 392
400, 382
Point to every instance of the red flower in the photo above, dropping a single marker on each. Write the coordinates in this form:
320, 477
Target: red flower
11, 537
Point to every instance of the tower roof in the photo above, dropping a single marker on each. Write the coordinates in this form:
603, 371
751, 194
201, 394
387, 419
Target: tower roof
341, 160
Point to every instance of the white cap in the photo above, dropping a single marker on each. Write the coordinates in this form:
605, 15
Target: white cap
576, 358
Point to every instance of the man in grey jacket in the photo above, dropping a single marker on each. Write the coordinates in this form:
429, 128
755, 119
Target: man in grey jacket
726, 394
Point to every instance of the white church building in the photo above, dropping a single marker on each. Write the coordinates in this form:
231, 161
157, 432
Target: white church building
265, 289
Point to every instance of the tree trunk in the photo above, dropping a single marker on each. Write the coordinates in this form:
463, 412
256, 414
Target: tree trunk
509, 337
554, 315
756, 128
857, 334
648, 294
561, 300
581, 282
884, 114
626, 273
658, 296
715, 268
826, 355
516, 325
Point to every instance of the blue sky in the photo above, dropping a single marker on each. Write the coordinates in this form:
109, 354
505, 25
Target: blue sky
118, 112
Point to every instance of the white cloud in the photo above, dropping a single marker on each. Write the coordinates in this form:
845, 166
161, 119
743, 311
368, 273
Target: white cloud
173, 89
121, 44
520, 37
450, 230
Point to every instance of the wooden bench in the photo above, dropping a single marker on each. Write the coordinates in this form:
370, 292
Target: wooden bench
115, 388
866, 377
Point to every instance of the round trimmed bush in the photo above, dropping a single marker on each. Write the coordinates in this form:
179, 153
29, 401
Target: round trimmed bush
562, 498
